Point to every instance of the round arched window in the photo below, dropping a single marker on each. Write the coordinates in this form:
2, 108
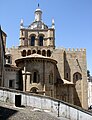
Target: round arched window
32, 40
38, 52
40, 40
29, 52
44, 53
77, 76
34, 51
24, 53
34, 90
48, 53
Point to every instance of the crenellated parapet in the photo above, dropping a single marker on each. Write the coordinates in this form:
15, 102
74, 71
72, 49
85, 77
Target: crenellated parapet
75, 49
71, 49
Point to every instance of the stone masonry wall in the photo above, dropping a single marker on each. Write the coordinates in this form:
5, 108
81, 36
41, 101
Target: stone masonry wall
58, 108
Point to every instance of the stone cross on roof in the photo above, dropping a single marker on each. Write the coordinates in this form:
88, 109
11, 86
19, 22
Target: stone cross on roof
38, 5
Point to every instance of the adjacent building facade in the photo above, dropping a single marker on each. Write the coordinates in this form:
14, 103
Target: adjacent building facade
2, 55
37, 66
90, 91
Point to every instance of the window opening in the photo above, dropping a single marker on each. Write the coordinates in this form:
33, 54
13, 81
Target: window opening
48, 53
41, 41
34, 51
32, 40
67, 75
34, 90
29, 52
35, 77
10, 83
77, 77
38, 52
44, 53
24, 53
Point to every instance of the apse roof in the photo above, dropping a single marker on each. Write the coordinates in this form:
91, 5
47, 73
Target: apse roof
35, 56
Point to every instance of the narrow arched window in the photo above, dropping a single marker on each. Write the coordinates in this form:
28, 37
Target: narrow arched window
76, 77
48, 53
24, 53
32, 40
35, 77
29, 52
67, 75
40, 40
38, 52
34, 51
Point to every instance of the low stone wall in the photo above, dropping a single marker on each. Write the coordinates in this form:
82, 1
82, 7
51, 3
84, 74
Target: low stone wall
59, 108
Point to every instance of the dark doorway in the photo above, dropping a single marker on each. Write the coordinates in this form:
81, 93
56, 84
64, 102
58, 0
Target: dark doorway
17, 100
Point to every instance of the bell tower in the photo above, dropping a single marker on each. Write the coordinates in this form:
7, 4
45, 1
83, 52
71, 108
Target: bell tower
37, 35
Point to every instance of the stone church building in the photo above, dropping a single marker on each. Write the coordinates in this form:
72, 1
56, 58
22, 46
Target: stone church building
36, 66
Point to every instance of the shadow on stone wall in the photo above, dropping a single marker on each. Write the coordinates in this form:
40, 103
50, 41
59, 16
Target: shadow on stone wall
20, 80
67, 70
76, 98
6, 113
77, 77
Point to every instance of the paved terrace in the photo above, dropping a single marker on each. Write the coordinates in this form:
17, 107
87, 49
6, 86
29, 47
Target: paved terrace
10, 112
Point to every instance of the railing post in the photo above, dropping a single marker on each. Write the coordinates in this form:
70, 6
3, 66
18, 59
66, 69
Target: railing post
58, 107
